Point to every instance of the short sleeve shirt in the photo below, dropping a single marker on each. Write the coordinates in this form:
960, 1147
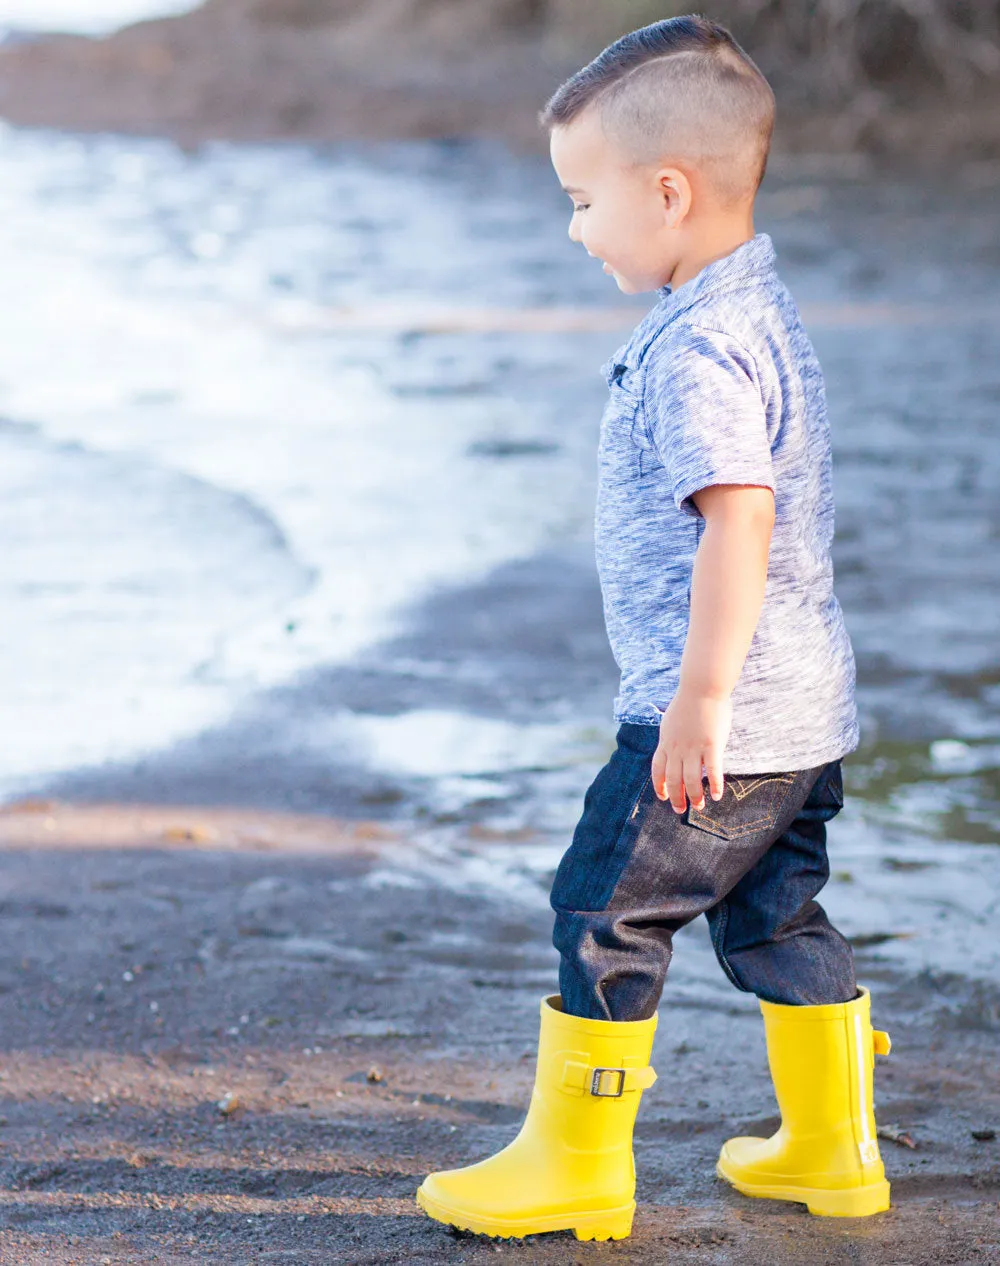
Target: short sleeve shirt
719, 384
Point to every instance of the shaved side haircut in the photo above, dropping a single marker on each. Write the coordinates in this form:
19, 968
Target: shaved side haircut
681, 89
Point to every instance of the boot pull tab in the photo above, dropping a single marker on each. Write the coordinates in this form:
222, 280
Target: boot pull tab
881, 1042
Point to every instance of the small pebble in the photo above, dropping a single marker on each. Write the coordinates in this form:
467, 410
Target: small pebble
228, 1104
984, 1136
375, 1073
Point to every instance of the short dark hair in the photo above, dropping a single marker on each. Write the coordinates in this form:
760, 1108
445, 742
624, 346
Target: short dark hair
661, 83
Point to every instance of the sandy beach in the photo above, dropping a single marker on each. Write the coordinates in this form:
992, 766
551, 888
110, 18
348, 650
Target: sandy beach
244, 1038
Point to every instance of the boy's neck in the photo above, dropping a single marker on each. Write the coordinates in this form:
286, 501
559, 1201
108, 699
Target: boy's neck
718, 238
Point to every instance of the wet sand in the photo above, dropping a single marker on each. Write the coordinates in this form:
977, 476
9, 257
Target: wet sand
157, 961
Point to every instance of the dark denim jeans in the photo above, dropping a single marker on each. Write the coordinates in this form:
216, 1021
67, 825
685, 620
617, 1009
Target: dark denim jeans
752, 862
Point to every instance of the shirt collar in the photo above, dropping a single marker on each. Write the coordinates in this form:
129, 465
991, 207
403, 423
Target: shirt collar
749, 259
753, 258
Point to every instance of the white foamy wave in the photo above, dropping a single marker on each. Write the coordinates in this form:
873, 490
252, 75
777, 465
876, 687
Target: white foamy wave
86, 17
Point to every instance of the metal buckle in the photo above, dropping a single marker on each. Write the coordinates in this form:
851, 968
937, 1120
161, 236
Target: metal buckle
595, 1083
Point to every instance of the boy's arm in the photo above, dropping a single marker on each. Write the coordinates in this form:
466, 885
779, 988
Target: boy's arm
727, 592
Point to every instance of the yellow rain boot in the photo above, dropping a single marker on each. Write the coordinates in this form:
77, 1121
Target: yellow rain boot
825, 1154
571, 1166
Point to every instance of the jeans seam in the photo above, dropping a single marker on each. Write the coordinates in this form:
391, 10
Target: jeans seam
720, 943
784, 799
720, 952
638, 799
589, 894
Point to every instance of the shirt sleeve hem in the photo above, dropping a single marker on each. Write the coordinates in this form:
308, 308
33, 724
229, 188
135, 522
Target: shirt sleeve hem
695, 483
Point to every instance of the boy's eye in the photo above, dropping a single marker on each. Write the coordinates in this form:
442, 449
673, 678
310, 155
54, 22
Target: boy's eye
580, 206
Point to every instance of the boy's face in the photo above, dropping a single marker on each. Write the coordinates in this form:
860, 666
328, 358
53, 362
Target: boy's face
622, 213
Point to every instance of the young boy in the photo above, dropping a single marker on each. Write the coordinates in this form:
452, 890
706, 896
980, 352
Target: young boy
713, 531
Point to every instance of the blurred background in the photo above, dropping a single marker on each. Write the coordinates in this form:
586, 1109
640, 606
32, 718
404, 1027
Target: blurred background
299, 400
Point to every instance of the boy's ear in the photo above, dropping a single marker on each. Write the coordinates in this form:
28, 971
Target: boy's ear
675, 189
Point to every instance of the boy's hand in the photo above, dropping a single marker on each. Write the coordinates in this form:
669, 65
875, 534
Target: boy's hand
693, 731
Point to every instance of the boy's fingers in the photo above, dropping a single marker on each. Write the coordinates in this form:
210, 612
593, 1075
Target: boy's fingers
713, 767
692, 780
659, 766
675, 784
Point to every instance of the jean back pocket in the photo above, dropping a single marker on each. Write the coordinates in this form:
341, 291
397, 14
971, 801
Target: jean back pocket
750, 803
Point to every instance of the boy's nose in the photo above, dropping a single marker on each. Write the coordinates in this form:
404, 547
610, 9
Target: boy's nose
574, 232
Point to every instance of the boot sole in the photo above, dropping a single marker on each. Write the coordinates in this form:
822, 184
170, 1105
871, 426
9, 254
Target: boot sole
604, 1224
848, 1202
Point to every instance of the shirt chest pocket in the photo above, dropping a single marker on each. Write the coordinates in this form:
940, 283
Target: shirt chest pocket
626, 416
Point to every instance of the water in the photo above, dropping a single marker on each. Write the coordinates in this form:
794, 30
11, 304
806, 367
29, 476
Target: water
292, 519
206, 496
86, 17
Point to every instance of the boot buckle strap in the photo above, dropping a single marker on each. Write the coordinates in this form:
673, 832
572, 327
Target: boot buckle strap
881, 1042
597, 1083
603, 1082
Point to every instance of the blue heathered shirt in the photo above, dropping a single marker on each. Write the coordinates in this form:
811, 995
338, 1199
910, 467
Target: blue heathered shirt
719, 384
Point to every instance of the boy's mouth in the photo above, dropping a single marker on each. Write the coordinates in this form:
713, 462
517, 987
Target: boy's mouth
607, 268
